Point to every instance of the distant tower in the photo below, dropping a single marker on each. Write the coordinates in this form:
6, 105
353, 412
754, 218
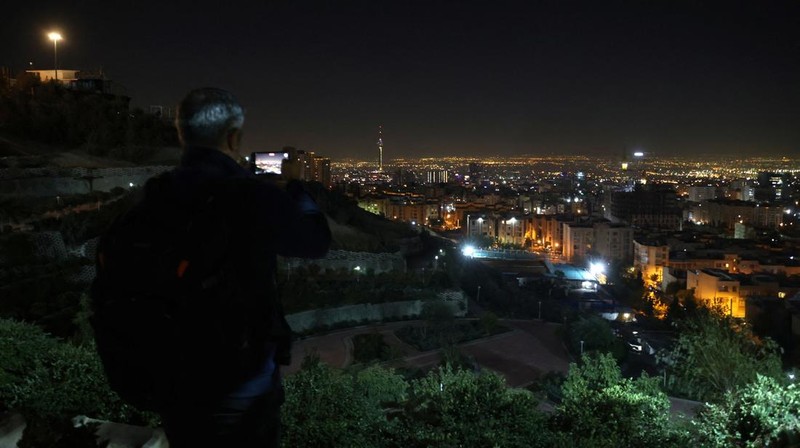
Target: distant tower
380, 148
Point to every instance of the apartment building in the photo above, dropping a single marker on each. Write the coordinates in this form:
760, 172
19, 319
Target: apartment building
718, 288
605, 240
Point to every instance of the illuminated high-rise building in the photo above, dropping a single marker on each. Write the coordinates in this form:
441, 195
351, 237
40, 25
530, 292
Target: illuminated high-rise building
380, 148
436, 176
770, 186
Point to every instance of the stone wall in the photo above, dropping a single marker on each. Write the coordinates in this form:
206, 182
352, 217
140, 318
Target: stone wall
65, 181
44, 245
49, 245
409, 309
341, 259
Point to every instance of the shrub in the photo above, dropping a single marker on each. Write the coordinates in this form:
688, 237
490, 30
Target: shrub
49, 381
327, 407
370, 347
450, 408
715, 354
600, 408
764, 413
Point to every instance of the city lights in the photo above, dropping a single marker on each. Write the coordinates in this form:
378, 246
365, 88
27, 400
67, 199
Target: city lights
562, 191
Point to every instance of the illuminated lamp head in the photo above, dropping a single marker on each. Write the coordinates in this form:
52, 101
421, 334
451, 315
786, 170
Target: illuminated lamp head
597, 268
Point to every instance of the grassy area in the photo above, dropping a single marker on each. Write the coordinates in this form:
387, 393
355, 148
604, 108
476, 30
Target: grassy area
427, 337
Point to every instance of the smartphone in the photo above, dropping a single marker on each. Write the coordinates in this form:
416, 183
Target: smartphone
268, 162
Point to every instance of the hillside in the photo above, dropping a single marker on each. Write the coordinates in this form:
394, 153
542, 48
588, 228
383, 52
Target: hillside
25, 153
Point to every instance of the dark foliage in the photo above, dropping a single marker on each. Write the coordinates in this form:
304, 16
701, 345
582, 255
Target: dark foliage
370, 347
431, 337
103, 124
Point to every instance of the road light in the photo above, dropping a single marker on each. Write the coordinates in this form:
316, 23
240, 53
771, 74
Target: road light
597, 269
55, 37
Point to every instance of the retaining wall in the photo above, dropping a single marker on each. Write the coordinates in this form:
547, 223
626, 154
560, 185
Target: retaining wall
65, 181
341, 259
308, 320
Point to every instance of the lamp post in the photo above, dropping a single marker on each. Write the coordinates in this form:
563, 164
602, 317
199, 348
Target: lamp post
55, 37
513, 222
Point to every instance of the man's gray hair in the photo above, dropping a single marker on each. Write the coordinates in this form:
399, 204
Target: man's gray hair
206, 115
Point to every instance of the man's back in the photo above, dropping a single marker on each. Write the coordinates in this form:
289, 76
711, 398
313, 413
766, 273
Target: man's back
246, 224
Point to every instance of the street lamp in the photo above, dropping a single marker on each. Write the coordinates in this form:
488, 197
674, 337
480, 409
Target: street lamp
55, 37
513, 222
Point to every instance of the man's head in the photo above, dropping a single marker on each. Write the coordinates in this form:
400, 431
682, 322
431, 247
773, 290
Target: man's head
211, 118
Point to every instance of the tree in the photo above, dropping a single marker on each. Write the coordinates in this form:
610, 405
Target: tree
763, 413
601, 409
453, 408
439, 320
489, 323
370, 347
49, 382
716, 354
596, 335
672, 288
332, 408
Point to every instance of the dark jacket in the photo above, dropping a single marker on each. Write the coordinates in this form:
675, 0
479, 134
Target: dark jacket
297, 227
185, 298
268, 220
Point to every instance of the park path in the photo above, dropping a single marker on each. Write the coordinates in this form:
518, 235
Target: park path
529, 350
335, 348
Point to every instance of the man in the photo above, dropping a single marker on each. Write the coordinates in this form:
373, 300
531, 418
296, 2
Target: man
264, 220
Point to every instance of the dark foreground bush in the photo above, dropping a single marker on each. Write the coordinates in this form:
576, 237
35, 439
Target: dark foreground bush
49, 382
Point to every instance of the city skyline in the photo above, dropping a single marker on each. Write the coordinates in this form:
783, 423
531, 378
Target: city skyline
452, 78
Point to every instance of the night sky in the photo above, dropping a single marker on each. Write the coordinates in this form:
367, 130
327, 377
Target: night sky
450, 78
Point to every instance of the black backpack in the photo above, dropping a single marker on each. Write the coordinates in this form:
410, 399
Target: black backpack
170, 315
